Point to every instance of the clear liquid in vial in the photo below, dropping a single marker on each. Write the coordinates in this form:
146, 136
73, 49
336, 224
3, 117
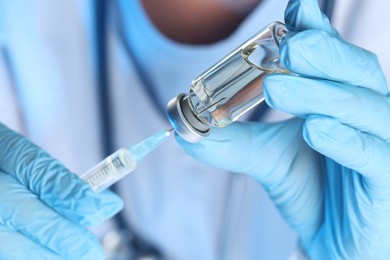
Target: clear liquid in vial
234, 85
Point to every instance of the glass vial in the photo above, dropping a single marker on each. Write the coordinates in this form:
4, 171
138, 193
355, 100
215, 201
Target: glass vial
230, 88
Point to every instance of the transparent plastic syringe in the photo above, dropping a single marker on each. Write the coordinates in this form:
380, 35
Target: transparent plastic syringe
122, 162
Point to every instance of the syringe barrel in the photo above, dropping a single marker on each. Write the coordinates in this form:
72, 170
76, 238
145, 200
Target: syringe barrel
110, 170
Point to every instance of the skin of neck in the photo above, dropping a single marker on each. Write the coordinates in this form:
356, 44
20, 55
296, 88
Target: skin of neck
197, 21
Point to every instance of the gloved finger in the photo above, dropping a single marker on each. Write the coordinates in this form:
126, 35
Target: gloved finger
15, 245
301, 15
22, 211
52, 182
318, 54
354, 149
249, 148
360, 108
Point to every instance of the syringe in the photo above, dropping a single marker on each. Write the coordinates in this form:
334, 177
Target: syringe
122, 162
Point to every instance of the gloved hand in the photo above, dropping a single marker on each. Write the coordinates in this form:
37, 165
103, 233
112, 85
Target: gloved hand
327, 170
44, 208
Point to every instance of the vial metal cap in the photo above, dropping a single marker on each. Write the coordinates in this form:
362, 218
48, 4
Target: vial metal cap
184, 121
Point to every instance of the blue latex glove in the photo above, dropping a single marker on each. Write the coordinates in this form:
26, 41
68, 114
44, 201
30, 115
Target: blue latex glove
44, 207
328, 169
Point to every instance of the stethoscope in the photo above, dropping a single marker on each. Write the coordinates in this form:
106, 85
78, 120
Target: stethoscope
139, 248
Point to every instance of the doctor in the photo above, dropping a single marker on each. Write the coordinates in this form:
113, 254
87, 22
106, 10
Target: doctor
184, 208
